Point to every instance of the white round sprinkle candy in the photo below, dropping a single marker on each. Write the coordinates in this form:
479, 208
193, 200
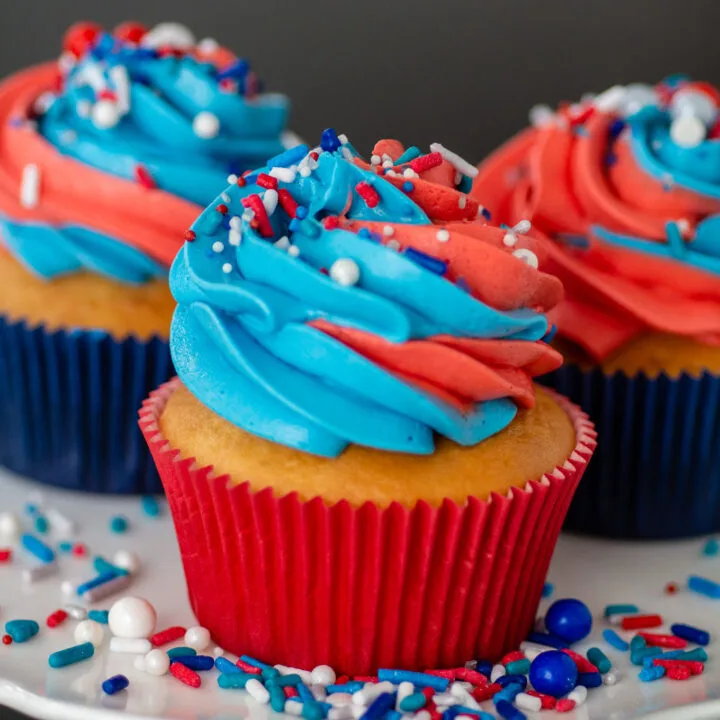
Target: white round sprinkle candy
227, 268
687, 131
257, 691
541, 115
68, 588
523, 227
198, 638
157, 662
105, 114
282, 243
218, 651
388, 231
206, 125
169, 34
89, 631
375, 160
339, 699
391, 173
610, 678
294, 251
393, 244
208, 45
232, 179
442, 235
132, 617
387, 164
217, 246
409, 173
323, 675
345, 272
527, 256
9, 526
127, 560
510, 240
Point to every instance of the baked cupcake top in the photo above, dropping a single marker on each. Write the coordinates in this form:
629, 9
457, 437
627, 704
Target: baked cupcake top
627, 184
324, 300
109, 153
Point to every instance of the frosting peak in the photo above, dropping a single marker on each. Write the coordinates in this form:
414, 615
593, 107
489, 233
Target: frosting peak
319, 304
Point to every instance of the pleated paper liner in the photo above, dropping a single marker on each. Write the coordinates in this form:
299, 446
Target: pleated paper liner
657, 470
305, 583
68, 407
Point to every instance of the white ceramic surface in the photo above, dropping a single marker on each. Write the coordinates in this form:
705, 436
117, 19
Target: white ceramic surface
599, 572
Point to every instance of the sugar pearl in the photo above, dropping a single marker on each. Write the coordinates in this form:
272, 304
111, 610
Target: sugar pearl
132, 617
9, 526
157, 662
345, 272
227, 268
294, 251
217, 246
442, 235
89, 631
206, 125
127, 560
105, 114
323, 675
197, 638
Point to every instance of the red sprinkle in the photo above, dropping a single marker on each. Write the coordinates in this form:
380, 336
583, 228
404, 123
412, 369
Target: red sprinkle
678, 672
331, 222
241, 182
342, 680
485, 693
144, 178
639, 622
56, 618
291, 691
6, 640
255, 203
314, 155
548, 701
428, 693
448, 674
266, 181
665, 641
583, 664
167, 636
288, 204
107, 95
471, 676
515, 655
248, 668
368, 193
185, 674
427, 162
190, 235
5, 555
671, 588
222, 208
564, 705
695, 667
366, 678
80, 550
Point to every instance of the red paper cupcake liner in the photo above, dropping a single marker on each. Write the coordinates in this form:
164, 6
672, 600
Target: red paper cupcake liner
305, 583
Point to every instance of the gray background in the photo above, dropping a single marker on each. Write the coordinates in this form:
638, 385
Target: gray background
459, 72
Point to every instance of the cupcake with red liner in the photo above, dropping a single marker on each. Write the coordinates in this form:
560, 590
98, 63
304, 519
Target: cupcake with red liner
359, 467
107, 155
626, 186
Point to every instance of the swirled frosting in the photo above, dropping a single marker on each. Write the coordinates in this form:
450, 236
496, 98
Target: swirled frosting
108, 154
627, 185
320, 305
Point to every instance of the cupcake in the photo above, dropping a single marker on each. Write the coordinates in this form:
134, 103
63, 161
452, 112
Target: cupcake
107, 156
360, 469
626, 186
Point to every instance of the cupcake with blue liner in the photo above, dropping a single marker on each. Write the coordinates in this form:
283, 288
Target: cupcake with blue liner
354, 432
626, 187
108, 155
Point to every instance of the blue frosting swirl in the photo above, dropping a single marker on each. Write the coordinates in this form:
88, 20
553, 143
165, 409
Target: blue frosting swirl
241, 341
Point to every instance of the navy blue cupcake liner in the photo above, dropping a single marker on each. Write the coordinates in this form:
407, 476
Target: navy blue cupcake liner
656, 472
69, 401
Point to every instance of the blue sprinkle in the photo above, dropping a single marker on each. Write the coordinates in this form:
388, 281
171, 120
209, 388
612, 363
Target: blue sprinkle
102, 566
638, 656
150, 505
118, 524
115, 684
508, 711
225, 666
696, 655
329, 141
349, 688
238, 69
651, 674
31, 509
410, 154
71, 655
290, 157
99, 616
548, 588
440, 684
21, 630
295, 224
590, 679
577, 241
393, 715
547, 639
548, 338
301, 212
703, 586
407, 186
484, 667
712, 548
38, 548
364, 233
380, 706
486, 214
690, 633
616, 127
507, 680
426, 261
65, 547
96, 582
304, 693
179, 652
465, 184
196, 662
41, 524
612, 638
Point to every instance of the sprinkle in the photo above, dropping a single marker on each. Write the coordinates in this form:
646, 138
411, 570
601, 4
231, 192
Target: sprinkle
76, 612
507, 711
664, 641
102, 567
71, 655
222, 208
267, 181
510, 240
255, 203
548, 589
518, 667
180, 652
651, 674
368, 193
678, 672
114, 585
287, 202
168, 635
460, 164
56, 618
218, 247
80, 550
115, 684
329, 140
547, 701
21, 630
197, 662
289, 157
136, 646
37, 548
527, 256
703, 586
598, 658
30, 186
696, 668
462, 202
711, 547
190, 236
61, 525
206, 125
637, 657
186, 675
99, 616
118, 524
564, 705
345, 272
433, 264
442, 235
227, 667
41, 524
33, 574
640, 622
407, 187
498, 671
528, 702
690, 633
426, 162
590, 679
416, 678
144, 178
232, 179
612, 638
294, 251
5, 555
227, 268
578, 695
547, 639
286, 175
7, 640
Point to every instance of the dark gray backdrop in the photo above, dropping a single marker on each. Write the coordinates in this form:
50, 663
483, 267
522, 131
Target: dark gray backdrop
460, 72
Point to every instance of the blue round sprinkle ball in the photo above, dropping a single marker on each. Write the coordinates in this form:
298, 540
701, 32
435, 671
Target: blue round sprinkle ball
569, 619
553, 673
118, 524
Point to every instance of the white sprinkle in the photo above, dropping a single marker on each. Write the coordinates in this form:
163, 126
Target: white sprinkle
405, 689
170, 34
410, 173
611, 99
387, 164
248, 215
232, 179
523, 227
683, 226
541, 115
136, 646
578, 695
217, 246
371, 691
528, 702
257, 691
460, 164
445, 699
105, 114
127, 560
305, 675
107, 589
76, 612
61, 525
293, 707
206, 125
688, 131
283, 243
270, 200
391, 173
462, 202
344, 712
458, 178
388, 231
235, 223
480, 211
498, 671
227, 268
234, 237
343, 139
30, 186
305, 171
532, 650
422, 715
44, 102
442, 235
284, 174
339, 699
318, 692
346, 153
9, 526
345, 271
510, 240
89, 631
118, 74
392, 244
610, 678
32, 574
225, 197
89, 74
527, 256
208, 45
375, 160
324, 674
68, 588
614, 619
294, 251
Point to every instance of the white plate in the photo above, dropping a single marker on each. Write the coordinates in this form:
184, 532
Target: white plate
598, 572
